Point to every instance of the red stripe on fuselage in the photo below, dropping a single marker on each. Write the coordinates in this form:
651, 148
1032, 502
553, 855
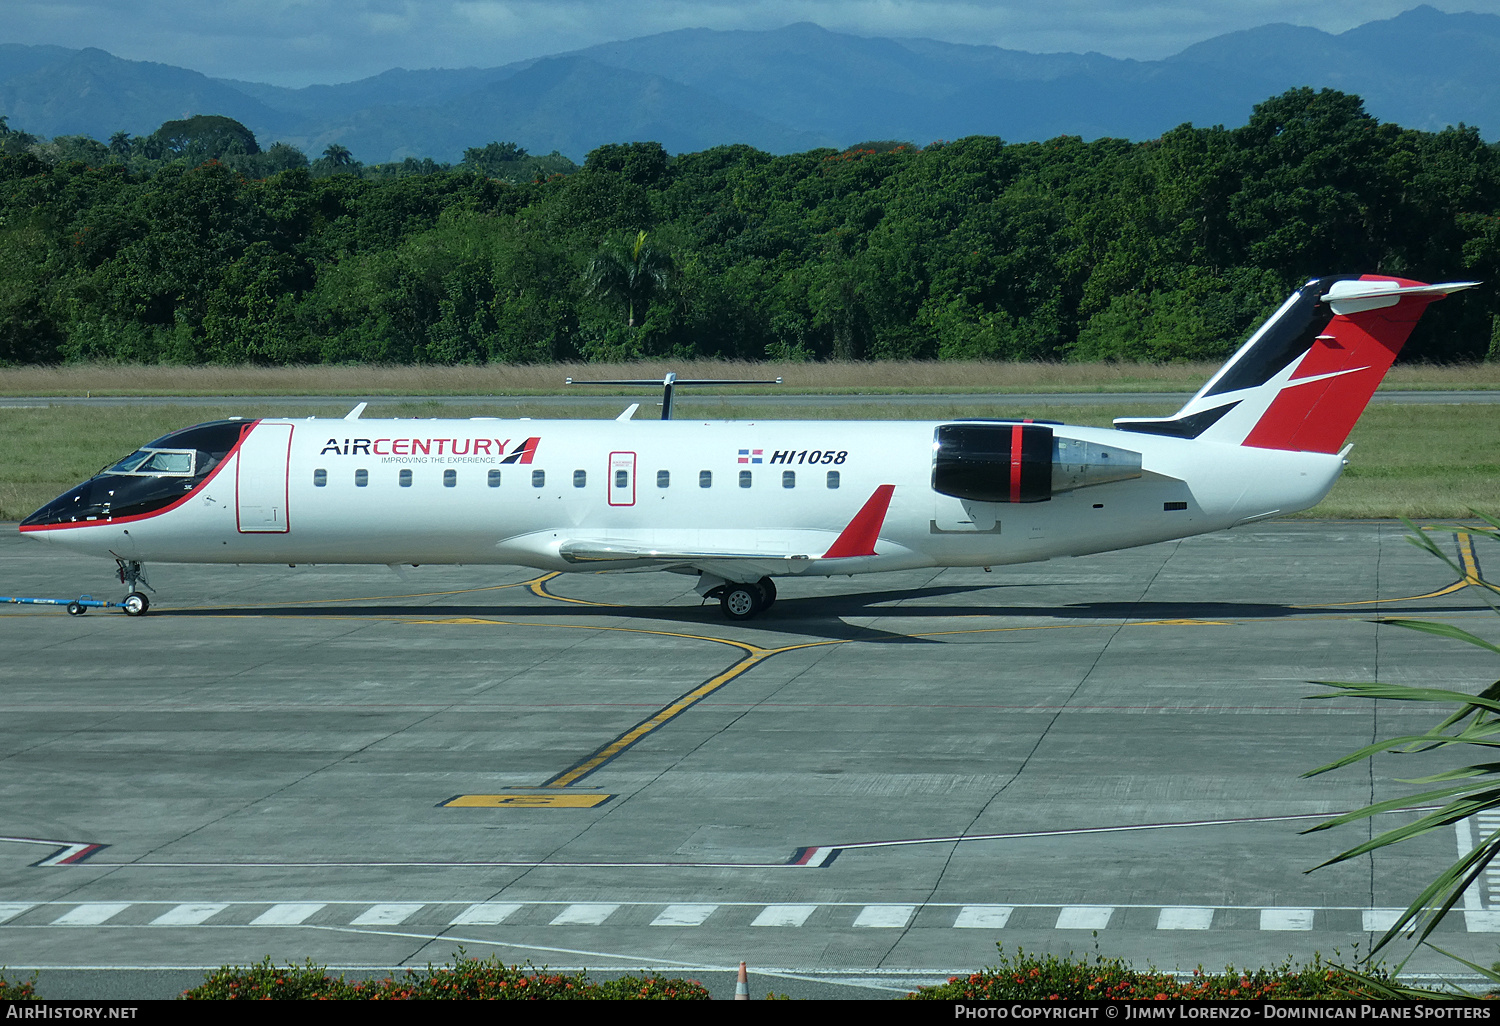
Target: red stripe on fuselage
244, 433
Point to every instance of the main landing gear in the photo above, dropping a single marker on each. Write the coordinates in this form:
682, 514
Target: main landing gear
132, 573
744, 601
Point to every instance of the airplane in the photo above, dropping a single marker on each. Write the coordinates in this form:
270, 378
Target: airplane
742, 504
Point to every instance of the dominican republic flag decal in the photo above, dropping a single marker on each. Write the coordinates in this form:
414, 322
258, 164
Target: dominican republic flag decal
751, 455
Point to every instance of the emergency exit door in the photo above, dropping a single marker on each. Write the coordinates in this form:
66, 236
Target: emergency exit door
622, 479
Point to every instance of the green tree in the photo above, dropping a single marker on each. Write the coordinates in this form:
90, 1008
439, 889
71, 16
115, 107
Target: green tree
630, 272
205, 137
493, 159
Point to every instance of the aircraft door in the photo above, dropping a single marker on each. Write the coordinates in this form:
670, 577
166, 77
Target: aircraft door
622, 479
261, 479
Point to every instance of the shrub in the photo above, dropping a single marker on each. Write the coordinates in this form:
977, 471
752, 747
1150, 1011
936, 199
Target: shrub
467, 979
1053, 978
266, 982
652, 988
19, 990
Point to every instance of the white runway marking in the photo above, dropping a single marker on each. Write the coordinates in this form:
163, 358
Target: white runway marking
784, 915
190, 914
1084, 917
440, 914
1286, 919
983, 917
288, 914
584, 914
11, 909
92, 914
885, 916
487, 913
1488, 884
1379, 920
684, 915
387, 915
1185, 919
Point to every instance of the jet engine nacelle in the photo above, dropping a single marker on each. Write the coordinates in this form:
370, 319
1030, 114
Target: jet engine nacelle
1000, 462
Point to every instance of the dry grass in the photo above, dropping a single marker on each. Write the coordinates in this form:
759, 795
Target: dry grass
501, 379
1416, 461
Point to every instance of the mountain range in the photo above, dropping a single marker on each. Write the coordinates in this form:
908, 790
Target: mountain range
784, 90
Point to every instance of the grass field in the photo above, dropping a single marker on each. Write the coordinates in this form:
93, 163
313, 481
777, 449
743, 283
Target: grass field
1413, 461
499, 379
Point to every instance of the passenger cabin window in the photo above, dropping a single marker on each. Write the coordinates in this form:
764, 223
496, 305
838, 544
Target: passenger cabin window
494, 479
361, 478
705, 479
405, 479
450, 478
744, 479
789, 479
538, 478
320, 478
833, 479
622, 479
663, 479
580, 478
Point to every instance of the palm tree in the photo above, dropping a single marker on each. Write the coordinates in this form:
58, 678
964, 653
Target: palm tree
630, 273
339, 156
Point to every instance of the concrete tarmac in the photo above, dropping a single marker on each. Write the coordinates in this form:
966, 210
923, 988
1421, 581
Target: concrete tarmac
864, 790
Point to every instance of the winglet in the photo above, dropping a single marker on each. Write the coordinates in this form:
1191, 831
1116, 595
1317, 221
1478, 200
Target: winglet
858, 539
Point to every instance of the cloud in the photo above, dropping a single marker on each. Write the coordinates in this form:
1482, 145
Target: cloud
297, 42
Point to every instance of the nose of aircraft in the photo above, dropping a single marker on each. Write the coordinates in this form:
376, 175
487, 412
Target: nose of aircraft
75, 504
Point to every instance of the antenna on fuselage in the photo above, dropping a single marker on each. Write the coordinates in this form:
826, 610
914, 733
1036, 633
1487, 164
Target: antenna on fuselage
670, 381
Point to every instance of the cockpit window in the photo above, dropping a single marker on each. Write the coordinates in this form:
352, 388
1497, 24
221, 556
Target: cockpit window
157, 463
156, 475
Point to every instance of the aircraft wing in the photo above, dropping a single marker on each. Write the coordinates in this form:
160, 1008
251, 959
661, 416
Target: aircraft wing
734, 554
726, 563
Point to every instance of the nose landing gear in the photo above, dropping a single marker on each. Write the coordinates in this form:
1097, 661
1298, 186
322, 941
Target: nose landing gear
132, 573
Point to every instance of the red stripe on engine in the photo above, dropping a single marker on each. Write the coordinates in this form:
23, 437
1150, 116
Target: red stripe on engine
1015, 463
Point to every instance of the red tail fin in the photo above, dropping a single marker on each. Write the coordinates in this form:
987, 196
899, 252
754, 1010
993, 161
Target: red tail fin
1331, 385
1306, 375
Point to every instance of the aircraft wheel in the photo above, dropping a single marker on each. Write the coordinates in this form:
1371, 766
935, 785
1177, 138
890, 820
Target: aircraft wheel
767, 592
76, 608
741, 601
135, 604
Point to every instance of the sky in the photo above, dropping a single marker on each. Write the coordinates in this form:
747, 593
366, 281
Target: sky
303, 42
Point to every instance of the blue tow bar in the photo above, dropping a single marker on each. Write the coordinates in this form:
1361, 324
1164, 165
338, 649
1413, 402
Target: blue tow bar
76, 607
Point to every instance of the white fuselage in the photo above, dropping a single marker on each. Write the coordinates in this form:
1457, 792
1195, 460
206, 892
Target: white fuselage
289, 494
